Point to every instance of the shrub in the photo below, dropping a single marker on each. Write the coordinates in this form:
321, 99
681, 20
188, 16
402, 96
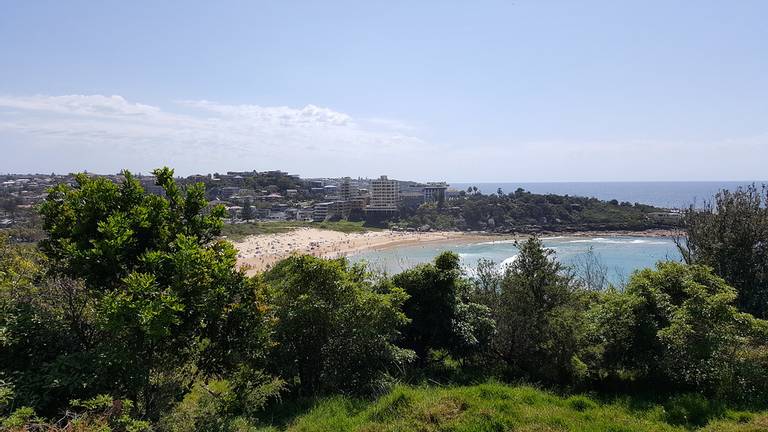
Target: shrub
678, 326
223, 405
539, 318
692, 409
335, 328
580, 403
731, 236
142, 269
442, 316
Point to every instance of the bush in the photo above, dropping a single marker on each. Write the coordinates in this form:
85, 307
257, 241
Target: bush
19, 418
335, 327
142, 269
692, 409
580, 403
539, 317
731, 236
223, 405
678, 327
442, 317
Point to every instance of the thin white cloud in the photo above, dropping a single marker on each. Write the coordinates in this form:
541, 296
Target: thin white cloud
199, 135
97, 105
308, 115
107, 133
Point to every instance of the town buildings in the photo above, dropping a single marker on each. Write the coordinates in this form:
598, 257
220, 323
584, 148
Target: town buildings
269, 195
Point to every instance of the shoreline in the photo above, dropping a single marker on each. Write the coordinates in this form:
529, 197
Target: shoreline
260, 252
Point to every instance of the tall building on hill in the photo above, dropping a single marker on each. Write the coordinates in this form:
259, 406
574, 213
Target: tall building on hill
385, 195
435, 191
346, 190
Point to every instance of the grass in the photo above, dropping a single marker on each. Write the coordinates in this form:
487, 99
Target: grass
497, 407
237, 232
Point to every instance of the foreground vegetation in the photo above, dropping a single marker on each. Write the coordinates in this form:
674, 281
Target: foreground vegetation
236, 232
131, 315
498, 407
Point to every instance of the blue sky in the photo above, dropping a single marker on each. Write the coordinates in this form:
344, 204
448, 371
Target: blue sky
466, 91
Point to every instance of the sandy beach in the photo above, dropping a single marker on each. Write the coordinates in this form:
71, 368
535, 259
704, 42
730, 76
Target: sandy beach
257, 253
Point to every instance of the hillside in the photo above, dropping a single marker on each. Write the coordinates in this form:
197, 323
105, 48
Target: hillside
524, 211
498, 407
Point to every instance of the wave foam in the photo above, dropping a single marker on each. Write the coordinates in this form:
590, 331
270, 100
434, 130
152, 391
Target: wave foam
618, 241
508, 261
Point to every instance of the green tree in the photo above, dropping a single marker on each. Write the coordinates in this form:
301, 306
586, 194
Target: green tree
166, 293
335, 328
247, 211
442, 316
678, 325
731, 236
539, 317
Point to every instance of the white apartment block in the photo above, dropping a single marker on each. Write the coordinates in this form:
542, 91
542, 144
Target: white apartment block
385, 194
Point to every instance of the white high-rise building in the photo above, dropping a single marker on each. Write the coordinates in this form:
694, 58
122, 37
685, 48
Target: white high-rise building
385, 195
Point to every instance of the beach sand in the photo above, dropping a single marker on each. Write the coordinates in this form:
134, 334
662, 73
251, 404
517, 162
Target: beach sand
259, 252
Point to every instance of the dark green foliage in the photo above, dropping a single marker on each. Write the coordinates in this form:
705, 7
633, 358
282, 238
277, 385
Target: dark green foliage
539, 316
731, 236
692, 409
223, 405
247, 212
102, 231
101, 413
678, 326
335, 327
151, 297
442, 317
526, 211
39, 326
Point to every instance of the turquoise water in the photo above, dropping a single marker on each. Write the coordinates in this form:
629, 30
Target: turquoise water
621, 255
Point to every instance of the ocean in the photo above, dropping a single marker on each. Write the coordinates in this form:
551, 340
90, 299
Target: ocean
620, 255
659, 194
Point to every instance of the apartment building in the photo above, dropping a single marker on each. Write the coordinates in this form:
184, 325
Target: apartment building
385, 195
435, 191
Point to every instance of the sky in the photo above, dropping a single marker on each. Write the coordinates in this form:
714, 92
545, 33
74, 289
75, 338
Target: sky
523, 90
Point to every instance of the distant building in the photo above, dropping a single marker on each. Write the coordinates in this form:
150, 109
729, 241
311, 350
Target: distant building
385, 195
277, 216
229, 191
666, 217
411, 197
291, 192
148, 183
346, 190
322, 211
331, 190
452, 193
435, 191
305, 214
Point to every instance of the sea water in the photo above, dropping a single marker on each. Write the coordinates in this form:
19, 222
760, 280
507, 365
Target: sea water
620, 255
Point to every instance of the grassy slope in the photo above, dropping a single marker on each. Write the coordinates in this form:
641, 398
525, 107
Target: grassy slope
497, 407
237, 232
